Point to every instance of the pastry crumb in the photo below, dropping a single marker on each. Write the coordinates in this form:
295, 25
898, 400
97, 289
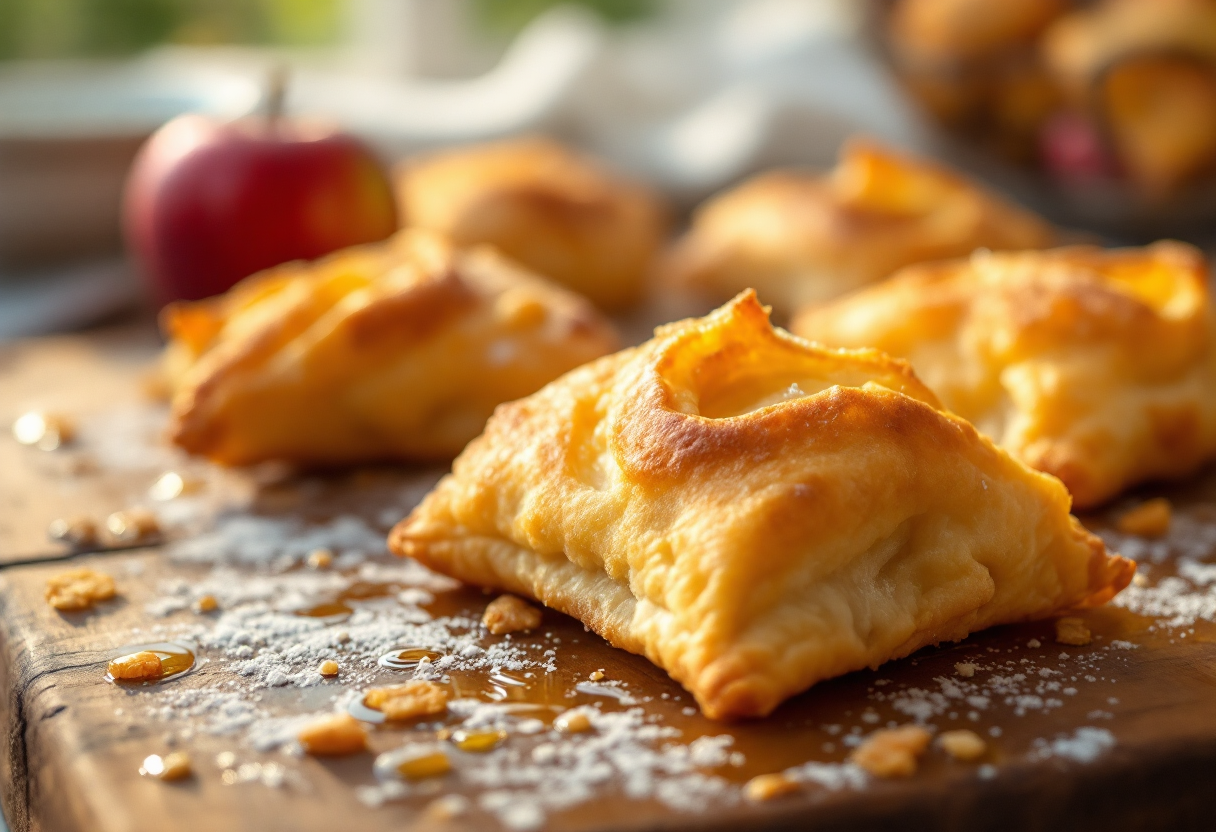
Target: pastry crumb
963, 744
334, 736
965, 669
769, 787
174, 766
1149, 519
509, 614
596, 675
78, 589
412, 699
892, 752
1139, 580
447, 807
206, 603
319, 559
134, 525
1034, 644
144, 666
77, 532
1073, 631
573, 721
328, 668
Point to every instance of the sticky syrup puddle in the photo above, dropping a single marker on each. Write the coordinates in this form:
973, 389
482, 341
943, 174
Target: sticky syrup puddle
339, 608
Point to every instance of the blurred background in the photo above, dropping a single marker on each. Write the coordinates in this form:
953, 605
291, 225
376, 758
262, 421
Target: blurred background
1101, 115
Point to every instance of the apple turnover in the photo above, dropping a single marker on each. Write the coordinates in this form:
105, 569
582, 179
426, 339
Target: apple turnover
394, 351
1097, 366
1146, 72
798, 238
558, 213
754, 513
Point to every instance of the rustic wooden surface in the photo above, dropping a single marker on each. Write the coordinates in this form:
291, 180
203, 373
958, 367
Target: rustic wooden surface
74, 743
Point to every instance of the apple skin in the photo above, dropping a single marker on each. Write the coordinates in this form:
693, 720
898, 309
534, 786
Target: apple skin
209, 203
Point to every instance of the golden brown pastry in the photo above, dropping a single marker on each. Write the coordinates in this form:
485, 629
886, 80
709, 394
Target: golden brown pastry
558, 213
394, 351
754, 513
798, 238
974, 64
1097, 366
1147, 73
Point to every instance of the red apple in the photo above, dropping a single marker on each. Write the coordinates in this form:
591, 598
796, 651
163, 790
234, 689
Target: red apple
209, 203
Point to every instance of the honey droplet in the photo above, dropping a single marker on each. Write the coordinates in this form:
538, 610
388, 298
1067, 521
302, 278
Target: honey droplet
329, 609
175, 766
479, 741
175, 659
408, 658
573, 722
412, 762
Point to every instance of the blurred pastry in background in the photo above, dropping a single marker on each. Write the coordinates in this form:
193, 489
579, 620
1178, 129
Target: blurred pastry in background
975, 65
1097, 366
1120, 91
798, 237
1141, 77
755, 514
557, 212
393, 351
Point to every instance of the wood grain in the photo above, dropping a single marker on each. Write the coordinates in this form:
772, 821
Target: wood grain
74, 743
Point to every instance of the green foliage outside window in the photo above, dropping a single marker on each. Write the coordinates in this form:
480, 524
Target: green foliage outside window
111, 28
508, 16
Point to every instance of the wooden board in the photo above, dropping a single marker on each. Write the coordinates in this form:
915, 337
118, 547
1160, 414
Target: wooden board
75, 742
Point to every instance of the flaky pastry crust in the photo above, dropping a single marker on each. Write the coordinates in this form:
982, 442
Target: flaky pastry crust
798, 238
557, 212
1094, 365
754, 513
394, 351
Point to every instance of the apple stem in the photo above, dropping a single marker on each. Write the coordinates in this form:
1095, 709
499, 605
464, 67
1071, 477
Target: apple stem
276, 92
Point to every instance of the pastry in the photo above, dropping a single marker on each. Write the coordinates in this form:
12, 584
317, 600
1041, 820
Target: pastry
975, 65
1147, 74
394, 351
558, 213
1097, 366
754, 513
798, 238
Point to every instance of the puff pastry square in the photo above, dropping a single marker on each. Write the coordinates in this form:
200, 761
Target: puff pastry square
754, 513
798, 238
395, 351
559, 213
1097, 366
